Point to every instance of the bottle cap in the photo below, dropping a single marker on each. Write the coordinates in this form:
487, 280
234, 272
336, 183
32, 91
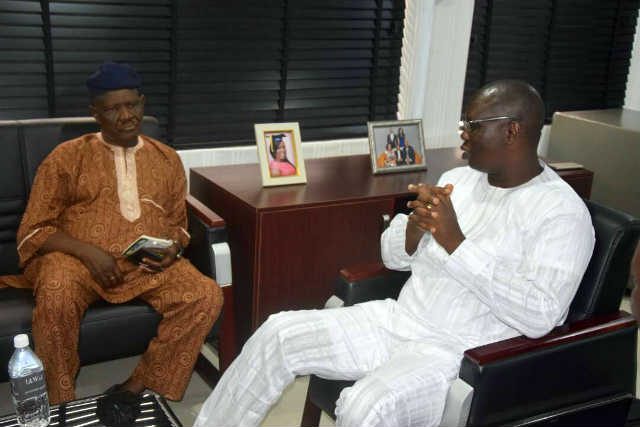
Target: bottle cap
20, 341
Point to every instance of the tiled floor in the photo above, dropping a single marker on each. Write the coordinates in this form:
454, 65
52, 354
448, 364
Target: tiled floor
95, 379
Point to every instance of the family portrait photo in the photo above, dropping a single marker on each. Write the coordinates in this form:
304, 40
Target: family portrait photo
396, 146
280, 154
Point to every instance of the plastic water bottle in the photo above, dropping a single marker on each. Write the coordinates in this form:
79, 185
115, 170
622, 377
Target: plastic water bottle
28, 386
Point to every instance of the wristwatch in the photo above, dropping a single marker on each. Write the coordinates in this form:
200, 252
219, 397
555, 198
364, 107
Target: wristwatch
180, 249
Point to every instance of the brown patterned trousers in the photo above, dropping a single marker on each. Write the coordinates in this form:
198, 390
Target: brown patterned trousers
188, 301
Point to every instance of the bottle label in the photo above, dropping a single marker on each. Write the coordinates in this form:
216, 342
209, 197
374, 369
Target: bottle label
28, 387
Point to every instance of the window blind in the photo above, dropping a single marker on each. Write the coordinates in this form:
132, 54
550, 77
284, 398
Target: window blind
228, 62
342, 65
588, 57
211, 69
86, 33
330, 65
576, 53
23, 62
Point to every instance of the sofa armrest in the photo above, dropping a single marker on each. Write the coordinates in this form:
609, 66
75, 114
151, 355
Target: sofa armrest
207, 229
210, 253
203, 213
573, 364
562, 335
366, 282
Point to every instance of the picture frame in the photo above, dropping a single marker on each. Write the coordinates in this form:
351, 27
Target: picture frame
390, 152
280, 154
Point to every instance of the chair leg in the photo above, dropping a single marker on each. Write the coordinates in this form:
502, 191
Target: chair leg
228, 345
207, 371
311, 414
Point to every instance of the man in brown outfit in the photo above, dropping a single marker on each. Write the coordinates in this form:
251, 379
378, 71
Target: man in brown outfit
92, 197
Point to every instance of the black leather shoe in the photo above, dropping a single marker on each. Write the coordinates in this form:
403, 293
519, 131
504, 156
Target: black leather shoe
118, 407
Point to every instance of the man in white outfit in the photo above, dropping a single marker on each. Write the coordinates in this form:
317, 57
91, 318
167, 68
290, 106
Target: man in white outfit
497, 249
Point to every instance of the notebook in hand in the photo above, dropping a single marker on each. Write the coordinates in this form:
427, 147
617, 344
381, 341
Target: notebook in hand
146, 246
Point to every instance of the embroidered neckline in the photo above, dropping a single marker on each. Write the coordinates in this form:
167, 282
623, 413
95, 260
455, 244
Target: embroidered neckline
135, 148
126, 177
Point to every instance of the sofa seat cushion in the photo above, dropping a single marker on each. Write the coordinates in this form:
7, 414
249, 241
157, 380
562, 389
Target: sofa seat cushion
108, 331
16, 306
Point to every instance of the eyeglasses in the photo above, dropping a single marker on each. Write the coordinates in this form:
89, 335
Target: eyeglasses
471, 125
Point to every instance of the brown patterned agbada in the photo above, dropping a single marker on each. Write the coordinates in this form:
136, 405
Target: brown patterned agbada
108, 196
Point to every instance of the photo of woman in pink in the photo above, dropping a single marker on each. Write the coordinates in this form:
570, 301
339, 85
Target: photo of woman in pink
279, 164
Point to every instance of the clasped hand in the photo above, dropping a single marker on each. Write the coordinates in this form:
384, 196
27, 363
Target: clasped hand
433, 212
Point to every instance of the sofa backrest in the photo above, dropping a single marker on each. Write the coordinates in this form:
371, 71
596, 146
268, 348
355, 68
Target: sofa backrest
605, 280
25, 143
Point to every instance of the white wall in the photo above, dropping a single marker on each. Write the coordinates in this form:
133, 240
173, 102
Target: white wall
249, 154
416, 45
632, 98
434, 63
446, 71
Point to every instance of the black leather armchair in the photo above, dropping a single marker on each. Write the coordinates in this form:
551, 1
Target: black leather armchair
107, 331
582, 373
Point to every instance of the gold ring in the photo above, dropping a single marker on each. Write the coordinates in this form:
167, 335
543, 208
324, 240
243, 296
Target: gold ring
428, 205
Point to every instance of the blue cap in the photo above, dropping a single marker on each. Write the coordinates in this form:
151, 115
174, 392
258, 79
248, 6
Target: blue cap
113, 76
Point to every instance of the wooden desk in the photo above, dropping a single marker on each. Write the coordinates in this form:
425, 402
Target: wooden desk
288, 243
579, 179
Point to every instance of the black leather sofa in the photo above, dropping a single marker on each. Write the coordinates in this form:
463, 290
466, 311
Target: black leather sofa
107, 331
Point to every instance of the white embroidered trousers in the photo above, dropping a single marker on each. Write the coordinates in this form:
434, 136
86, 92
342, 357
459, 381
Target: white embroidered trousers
403, 370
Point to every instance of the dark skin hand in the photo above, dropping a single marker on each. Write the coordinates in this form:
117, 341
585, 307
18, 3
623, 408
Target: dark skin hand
433, 212
169, 254
101, 264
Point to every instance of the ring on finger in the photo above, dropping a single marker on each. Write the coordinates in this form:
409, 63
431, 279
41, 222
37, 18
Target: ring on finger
428, 205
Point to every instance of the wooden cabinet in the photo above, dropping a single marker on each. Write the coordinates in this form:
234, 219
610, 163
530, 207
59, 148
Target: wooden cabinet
301, 251
579, 179
288, 243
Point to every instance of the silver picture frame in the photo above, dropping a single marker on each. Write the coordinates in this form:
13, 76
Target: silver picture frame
396, 146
